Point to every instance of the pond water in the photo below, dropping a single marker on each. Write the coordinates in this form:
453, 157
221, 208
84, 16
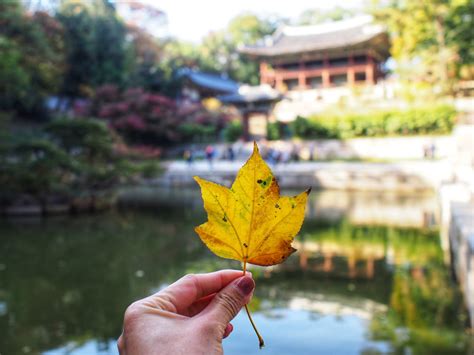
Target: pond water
369, 278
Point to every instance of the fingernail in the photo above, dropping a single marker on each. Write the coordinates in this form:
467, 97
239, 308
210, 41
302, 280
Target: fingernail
246, 285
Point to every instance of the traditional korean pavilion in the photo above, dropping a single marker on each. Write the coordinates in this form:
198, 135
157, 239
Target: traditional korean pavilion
341, 53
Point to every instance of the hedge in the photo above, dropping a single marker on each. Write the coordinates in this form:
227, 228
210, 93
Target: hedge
233, 131
426, 120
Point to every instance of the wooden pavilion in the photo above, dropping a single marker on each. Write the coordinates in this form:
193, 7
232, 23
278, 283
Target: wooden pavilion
341, 53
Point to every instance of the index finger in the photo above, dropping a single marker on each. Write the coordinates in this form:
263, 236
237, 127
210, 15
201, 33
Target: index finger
190, 288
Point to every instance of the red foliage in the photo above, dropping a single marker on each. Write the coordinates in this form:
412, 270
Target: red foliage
135, 112
145, 118
132, 121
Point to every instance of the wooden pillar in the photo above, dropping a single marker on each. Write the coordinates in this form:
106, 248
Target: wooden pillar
351, 76
351, 263
369, 71
327, 266
279, 81
302, 76
350, 71
325, 74
263, 72
326, 79
370, 267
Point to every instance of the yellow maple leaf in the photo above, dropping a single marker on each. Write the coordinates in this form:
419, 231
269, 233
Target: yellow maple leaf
251, 222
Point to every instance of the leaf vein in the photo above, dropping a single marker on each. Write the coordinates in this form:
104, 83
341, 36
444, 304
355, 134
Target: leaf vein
267, 236
231, 224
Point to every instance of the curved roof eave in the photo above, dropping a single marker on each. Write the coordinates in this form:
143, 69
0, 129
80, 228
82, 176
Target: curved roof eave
310, 47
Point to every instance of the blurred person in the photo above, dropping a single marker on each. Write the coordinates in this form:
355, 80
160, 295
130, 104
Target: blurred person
230, 153
191, 316
312, 151
295, 153
277, 156
269, 155
285, 157
210, 151
432, 150
188, 156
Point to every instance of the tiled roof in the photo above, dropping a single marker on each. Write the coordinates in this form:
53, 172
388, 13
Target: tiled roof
252, 94
210, 81
293, 40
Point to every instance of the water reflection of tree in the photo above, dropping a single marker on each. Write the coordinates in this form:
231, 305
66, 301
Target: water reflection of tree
426, 310
71, 280
426, 313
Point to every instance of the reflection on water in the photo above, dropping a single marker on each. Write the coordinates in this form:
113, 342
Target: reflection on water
356, 286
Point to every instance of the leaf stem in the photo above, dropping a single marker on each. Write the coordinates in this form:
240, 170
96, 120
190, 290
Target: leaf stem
261, 343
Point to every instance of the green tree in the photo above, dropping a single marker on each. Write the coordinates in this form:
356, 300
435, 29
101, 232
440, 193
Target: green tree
154, 63
96, 47
31, 62
14, 80
460, 23
248, 28
431, 40
219, 50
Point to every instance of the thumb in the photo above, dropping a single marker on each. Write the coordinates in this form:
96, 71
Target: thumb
228, 302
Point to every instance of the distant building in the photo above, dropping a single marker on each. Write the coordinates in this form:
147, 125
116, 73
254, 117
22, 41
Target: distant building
342, 53
255, 104
199, 85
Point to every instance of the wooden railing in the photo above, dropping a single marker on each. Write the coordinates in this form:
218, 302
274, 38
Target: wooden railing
278, 76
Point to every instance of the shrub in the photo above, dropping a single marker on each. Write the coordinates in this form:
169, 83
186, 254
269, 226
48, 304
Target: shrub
273, 131
423, 120
198, 133
305, 128
233, 131
36, 167
149, 169
90, 144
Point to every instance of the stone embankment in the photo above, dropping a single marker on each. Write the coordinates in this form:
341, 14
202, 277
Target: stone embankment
457, 214
396, 164
404, 176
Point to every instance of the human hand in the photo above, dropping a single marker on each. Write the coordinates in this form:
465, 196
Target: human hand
191, 316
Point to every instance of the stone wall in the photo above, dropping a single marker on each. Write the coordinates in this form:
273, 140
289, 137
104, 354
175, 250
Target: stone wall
461, 238
387, 148
389, 177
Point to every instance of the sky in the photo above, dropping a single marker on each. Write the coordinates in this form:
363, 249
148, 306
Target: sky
191, 20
